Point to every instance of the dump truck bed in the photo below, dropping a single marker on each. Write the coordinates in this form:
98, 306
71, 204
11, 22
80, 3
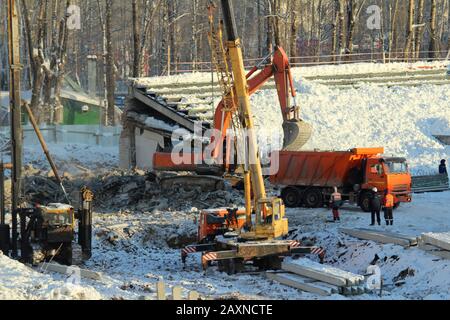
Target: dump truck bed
321, 169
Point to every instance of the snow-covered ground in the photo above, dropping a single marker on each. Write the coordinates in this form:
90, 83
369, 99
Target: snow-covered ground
130, 249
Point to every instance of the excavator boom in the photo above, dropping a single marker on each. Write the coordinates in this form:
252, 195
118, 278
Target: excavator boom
296, 131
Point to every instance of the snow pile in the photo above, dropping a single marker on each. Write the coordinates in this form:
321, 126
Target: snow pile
73, 158
401, 119
311, 71
366, 68
18, 282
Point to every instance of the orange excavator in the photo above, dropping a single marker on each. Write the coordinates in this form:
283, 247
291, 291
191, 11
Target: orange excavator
296, 131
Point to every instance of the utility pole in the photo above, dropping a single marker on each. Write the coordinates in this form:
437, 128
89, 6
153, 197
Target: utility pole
15, 112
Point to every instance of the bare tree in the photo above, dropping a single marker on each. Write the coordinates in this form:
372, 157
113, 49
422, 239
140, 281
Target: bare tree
410, 29
433, 41
419, 28
335, 44
136, 40
110, 67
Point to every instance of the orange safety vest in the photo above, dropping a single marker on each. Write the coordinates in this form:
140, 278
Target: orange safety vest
389, 201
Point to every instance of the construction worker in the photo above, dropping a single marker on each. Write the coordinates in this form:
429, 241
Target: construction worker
336, 203
389, 208
375, 205
443, 167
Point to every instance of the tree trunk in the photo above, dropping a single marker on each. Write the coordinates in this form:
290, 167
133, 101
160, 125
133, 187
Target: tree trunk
294, 29
110, 72
393, 32
319, 32
351, 12
419, 29
270, 26
136, 41
342, 28
410, 30
335, 47
61, 67
433, 41
194, 46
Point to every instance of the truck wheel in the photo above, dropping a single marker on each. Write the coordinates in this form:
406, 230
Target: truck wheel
313, 198
291, 197
364, 202
397, 205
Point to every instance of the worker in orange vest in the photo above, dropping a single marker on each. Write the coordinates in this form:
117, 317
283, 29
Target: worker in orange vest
335, 203
389, 208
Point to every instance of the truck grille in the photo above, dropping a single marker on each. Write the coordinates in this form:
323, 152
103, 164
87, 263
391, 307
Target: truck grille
400, 188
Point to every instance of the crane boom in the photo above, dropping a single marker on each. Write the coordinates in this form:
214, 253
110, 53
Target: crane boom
270, 219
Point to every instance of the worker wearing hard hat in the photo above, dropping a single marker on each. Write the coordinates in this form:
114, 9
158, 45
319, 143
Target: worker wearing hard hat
389, 208
375, 206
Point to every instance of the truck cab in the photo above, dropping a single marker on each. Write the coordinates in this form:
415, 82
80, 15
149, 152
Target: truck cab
386, 174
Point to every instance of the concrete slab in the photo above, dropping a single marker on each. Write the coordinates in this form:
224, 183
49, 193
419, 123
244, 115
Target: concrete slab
311, 267
317, 275
440, 240
377, 237
301, 283
54, 267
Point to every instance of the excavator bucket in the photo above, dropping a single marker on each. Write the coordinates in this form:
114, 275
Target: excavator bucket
296, 134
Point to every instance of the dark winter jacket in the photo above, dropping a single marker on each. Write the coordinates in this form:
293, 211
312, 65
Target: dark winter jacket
374, 202
442, 169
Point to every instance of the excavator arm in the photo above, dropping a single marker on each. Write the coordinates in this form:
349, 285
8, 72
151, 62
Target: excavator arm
296, 132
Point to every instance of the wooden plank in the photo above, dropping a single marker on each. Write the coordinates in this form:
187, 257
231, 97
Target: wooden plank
440, 240
364, 235
297, 282
88, 274
350, 278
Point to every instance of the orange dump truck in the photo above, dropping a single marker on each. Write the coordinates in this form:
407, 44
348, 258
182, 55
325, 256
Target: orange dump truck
308, 178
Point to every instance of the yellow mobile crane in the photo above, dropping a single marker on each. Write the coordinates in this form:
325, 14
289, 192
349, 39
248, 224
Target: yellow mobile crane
234, 237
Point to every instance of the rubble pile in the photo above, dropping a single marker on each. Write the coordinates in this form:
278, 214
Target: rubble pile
127, 190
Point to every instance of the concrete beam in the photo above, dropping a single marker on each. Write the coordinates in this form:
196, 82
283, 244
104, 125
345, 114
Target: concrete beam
440, 240
301, 283
314, 274
54, 267
328, 274
377, 237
